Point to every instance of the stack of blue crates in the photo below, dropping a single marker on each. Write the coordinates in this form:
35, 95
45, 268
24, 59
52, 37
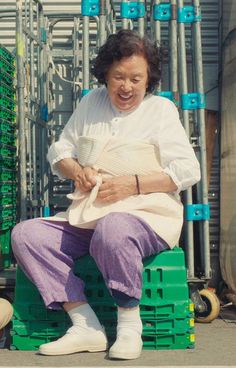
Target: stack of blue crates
7, 154
167, 313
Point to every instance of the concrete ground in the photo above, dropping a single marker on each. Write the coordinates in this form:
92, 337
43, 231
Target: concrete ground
215, 346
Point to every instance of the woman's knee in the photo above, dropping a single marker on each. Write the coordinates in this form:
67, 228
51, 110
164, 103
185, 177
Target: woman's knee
16, 235
111, 232
23, 234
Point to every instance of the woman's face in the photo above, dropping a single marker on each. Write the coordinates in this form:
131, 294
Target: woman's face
127, 81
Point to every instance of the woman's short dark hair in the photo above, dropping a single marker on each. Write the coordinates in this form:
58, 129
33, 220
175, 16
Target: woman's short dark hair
126, 43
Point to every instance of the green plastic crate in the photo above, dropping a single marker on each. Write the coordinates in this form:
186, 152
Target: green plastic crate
158, 281
7, 102
168, 309
22, 339
7, 127
29, 343
7, 150
7, 114
26, 309
153, 327
6, 77
7, 162
36, 312
169, 341
7, 198
7, 211
7, 55
7, 67
173, 259
8, 187
25, 287
28, 303
35, 328
98, 294
29, 292
7, 90
35, 333
7, 175
7, 138
5, 247
168, 326
165, 318
7, 223
165, 291
40, 328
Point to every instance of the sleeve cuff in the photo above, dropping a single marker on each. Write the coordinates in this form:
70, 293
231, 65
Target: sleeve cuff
174, 178
57, 159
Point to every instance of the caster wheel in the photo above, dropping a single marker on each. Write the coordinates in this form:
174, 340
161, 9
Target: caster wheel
213, 307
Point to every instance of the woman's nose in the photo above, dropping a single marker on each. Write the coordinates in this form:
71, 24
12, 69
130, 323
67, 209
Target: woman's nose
126, 85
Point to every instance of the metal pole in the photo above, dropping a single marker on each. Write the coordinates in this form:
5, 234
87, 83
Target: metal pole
43, 108
173, 60
125, 21
85, 45
110, 24
40, 78
76, 62
112, 17
31, 108
201, 122
21, 109
141, 23
157, 37
157, 27
188, 225
102, 23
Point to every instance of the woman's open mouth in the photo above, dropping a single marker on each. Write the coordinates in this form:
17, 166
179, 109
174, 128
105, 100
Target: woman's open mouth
124, 98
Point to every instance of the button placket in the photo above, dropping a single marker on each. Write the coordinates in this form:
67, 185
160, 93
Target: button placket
114, 126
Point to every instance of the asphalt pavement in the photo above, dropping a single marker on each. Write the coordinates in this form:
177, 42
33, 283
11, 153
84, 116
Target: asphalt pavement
215, 347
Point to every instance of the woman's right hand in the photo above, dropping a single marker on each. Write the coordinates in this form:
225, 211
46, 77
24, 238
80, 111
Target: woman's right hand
85, 179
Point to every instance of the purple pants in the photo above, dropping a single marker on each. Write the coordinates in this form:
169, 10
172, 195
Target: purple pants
46, 252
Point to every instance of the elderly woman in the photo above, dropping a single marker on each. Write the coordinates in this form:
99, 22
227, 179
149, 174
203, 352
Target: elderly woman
129, 157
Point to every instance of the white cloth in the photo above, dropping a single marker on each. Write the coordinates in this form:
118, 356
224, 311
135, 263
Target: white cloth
115, 158
148, 140
156, 121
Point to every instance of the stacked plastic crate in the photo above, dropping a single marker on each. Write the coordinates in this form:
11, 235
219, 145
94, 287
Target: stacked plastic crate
7, 154
167, 312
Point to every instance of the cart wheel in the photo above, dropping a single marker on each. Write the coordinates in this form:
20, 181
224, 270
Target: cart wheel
213, 306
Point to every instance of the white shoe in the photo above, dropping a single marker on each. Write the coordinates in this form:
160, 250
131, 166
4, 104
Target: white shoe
126, 347
74, 343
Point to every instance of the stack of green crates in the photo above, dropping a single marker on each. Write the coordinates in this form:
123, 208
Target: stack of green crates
167, 312
7, 154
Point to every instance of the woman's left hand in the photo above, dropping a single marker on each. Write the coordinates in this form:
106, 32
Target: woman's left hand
116, 188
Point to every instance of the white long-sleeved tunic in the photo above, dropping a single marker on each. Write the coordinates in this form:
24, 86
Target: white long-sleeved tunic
154, 122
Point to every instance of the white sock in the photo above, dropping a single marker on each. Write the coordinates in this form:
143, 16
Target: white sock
129, 322
83, 318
